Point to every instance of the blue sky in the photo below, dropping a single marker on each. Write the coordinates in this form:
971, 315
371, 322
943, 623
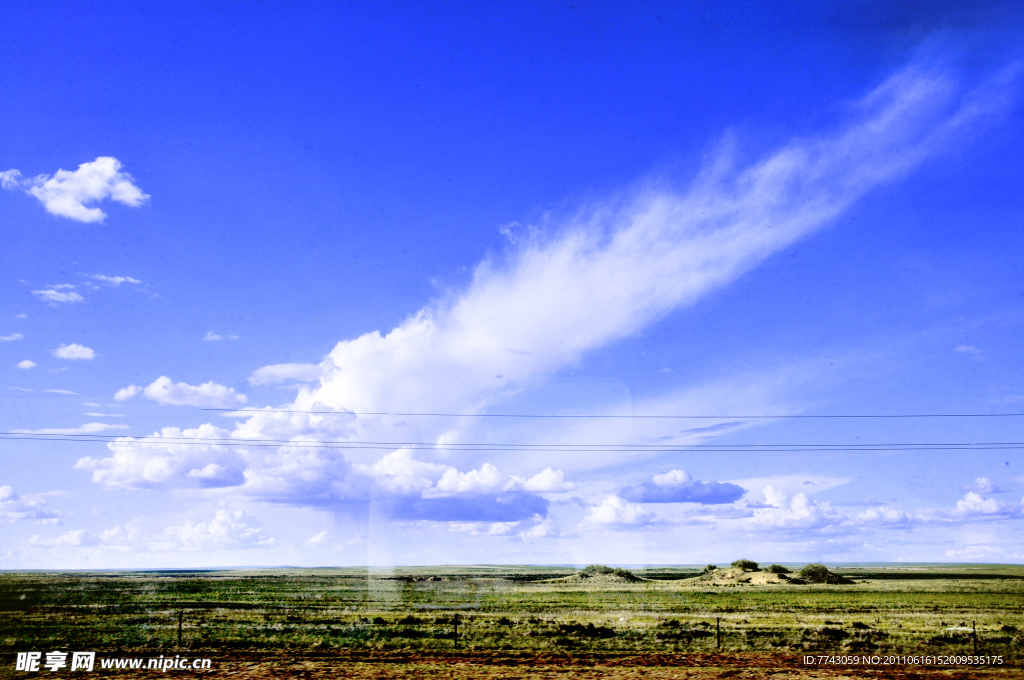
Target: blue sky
336, 213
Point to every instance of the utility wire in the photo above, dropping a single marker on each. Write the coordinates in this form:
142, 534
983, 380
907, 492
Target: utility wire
601, 416
503, 447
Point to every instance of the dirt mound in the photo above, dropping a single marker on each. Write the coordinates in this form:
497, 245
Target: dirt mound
737, 576
598, 573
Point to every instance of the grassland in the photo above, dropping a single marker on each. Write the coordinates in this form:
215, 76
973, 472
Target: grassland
511, 615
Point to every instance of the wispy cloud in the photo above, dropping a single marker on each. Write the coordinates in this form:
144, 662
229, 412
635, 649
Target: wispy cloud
227, 530
58, 295
68, 194
26, 364
214, 337
11, 338
278, 373
15, 508
565, 289
88, 428
114, 280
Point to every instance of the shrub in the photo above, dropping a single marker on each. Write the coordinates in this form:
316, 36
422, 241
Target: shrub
710, 568
746, 565
815, 573
594, 569
777, 569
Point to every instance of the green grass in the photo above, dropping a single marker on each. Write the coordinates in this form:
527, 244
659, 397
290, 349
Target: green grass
902, 610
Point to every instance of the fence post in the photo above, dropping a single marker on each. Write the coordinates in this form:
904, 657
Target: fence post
718, 632
181, 615
455, 619
974, 634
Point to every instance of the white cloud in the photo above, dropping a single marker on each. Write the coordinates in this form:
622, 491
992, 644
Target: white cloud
21, 316
227, 530
164, 391
211, 336
967, 349
796, 512
547, 480
62, 392
974, 505
400, 472
58, 295
317, 539
11, 338
542, 528
127, 392
673, 478
982, 485
484, 528
168, 458
615, 512
67, 193
115, 280
75, 538
882, 514
88, 428
486, 479
26, 364
278, 373
15, 508
73, 351
565, 290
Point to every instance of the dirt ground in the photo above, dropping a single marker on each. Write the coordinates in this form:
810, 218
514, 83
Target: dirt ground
484, 666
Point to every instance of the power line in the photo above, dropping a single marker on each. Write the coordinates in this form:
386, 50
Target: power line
505, 447
605, 416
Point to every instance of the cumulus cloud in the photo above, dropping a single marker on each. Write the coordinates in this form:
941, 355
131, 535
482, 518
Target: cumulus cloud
26, 364
58, 295
73, 351
982, 485
68, 194
615, 512
676, 486
278, 373
793, 512
11, 338
882, 514
565, 289
127, 392
975, 505
486, 479
15, 508
164, 391
226, 531
172, 457
547, 480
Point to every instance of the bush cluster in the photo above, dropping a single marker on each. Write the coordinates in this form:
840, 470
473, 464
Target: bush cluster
594, 569
815, 573
746, 565
776, 569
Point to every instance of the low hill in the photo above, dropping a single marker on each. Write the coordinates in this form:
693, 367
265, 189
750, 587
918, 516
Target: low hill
737, 576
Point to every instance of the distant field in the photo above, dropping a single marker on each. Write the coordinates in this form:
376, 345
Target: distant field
404, 620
